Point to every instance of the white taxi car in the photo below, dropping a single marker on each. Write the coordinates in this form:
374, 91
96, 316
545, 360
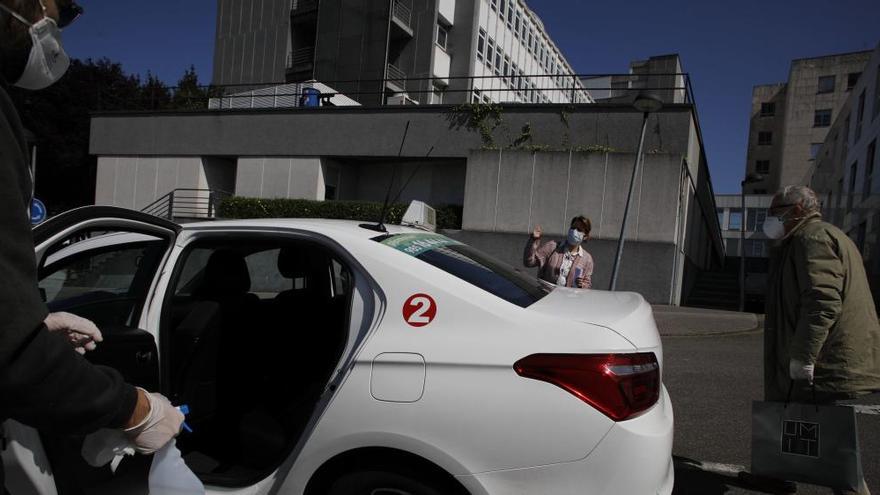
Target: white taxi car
326, 357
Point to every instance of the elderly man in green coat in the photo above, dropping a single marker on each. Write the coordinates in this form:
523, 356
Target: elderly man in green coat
821, 326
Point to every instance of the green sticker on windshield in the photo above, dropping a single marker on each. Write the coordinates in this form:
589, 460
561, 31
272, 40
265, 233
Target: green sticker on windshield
416, 244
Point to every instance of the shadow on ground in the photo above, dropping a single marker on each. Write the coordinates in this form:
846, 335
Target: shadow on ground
693, 478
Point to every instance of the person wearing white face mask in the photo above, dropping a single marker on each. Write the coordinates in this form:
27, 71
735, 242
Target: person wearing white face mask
821, 329
565, 264
44, 381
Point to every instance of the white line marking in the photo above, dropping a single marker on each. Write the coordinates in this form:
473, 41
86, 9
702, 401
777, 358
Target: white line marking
867, 409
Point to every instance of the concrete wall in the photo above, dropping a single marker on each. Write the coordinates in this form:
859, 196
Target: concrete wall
512, 191
134, 182
646, 267
352, 45
251, 41
775, 124
280, 177
362, 131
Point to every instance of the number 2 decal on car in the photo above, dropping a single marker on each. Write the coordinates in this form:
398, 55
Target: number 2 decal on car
419, 310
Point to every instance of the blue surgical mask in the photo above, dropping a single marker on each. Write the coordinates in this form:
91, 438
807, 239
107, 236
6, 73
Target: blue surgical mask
575, 237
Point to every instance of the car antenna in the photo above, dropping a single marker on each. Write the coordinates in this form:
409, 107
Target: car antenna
380, 225
410, 178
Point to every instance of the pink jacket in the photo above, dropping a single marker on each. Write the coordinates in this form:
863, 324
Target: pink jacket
548, 258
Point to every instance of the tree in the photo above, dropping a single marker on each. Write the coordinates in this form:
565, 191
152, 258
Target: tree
189, 95
60, 119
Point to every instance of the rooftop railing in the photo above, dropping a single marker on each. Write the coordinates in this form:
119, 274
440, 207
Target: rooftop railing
535, 89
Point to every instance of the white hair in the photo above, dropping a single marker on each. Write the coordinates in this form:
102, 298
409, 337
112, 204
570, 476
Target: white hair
800, 195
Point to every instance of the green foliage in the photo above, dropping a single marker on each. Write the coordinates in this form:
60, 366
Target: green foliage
480, 117
60, 119
448, 217
189, 95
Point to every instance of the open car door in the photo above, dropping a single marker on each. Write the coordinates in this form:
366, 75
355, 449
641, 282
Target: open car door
101, 263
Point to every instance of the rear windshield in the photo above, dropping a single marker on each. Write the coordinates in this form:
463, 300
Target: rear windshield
470, 265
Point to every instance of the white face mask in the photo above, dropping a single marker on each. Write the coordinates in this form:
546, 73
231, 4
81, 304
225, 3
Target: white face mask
774, 228
575, 237
47, 61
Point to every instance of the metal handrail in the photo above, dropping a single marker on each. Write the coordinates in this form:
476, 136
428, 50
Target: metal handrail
187, 202
357, 88
297, 6
402, 13
300, 56
396, 76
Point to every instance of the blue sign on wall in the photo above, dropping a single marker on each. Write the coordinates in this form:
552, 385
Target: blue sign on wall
38, 211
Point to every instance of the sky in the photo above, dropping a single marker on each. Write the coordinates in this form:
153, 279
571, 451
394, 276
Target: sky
726, 46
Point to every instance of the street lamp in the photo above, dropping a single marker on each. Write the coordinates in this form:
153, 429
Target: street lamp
750, 179
646, 104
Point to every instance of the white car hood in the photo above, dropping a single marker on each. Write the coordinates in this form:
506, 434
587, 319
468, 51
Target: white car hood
625, 313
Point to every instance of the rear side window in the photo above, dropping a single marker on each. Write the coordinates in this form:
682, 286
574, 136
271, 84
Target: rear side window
470, 265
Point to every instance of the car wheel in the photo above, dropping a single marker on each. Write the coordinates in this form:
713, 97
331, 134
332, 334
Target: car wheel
374, 482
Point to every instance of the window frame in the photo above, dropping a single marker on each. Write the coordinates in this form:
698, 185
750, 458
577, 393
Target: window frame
820, 90
822, 117
765, 142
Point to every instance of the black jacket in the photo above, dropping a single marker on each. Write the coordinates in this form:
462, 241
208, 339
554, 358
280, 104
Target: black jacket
44, 383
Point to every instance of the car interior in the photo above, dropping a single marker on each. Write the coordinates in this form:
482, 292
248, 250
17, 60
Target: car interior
255, 331
251, 331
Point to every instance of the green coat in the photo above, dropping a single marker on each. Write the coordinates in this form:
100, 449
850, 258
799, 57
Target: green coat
820, 310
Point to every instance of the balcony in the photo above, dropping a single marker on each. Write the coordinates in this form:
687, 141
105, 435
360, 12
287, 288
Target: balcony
401, 17
395, 79
301, 59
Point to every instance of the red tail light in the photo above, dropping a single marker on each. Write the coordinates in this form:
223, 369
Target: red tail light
621, 386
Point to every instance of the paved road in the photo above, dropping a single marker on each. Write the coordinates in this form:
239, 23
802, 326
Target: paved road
712, 381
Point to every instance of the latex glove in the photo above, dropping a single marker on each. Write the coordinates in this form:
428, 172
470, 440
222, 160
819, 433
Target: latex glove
801, 371
82, 334
161, 425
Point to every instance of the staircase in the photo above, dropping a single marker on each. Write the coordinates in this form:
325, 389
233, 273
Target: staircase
715, 290
187, 204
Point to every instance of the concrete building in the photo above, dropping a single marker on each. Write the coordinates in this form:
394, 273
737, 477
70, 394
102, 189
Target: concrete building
544, 164
396, 51
846, 165
789, 121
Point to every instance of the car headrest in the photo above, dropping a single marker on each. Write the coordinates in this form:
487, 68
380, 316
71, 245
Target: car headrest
295, 262
226, 274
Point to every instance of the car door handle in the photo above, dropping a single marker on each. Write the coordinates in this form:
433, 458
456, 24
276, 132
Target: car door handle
143, 357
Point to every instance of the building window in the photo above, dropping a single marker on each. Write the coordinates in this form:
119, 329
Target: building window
501, 9
720, 212
760, 191
755, 248
481, 44
860, 115
499, 57
734, 221
437, 95
755, 219
490, 52
765, 138
442, 36
852, 79
869, 169
822, 118
814, 150
826, 84
876, 110
768, 109
477, 97
494, 5
853, 170
762, 166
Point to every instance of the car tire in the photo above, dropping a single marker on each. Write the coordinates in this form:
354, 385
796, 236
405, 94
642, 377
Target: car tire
379, 482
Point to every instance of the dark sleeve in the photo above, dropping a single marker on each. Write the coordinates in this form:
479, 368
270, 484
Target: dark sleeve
44, 383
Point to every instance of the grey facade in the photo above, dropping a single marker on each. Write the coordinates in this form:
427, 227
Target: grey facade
580, 164
846, 178
395, 51
789, 121
252, 41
